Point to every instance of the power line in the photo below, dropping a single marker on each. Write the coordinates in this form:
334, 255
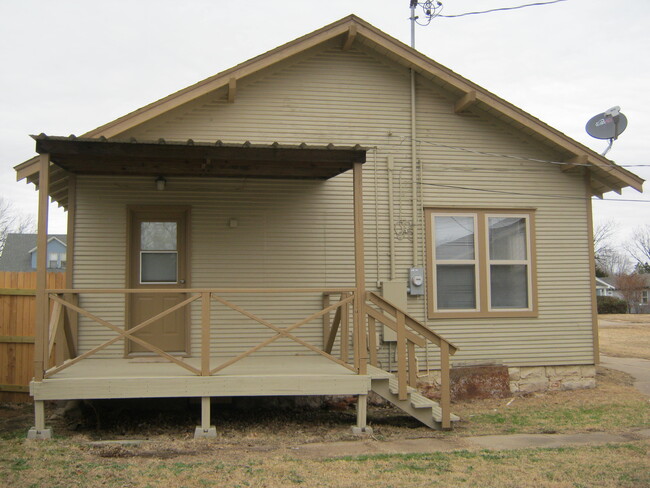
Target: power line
501, 9
520, 158
537, 195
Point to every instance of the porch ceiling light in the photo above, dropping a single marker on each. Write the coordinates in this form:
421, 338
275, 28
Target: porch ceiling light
160, 183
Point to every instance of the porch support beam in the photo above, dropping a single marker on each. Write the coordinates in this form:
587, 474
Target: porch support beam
362, 416
205, 431
360, 275
39, 432
41, 352
71, 318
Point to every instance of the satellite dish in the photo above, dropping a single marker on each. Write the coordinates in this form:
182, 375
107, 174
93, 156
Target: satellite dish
607, 125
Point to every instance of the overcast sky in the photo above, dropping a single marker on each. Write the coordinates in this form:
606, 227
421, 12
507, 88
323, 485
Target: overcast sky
68, 66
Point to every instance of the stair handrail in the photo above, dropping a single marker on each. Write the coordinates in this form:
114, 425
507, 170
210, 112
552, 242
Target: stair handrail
406, 347
411, 322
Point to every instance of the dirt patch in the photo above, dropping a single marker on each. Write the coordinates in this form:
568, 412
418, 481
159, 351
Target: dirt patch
479, 382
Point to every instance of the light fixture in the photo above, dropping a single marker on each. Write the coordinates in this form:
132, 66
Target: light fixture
160, 183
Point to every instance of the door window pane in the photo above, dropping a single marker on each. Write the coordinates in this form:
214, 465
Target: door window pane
158, 267
507, 238
509, 285
158, 236
456, 286
454, 237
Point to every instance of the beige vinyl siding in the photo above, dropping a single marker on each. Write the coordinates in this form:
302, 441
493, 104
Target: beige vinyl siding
299, 233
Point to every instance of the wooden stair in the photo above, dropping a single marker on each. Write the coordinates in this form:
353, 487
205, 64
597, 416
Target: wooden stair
416, 405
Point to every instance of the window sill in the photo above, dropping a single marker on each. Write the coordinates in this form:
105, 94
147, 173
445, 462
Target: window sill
484, 315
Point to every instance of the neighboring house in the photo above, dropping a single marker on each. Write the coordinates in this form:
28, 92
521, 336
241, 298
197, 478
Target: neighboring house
604, 288
238, 205
19, 253
642, 306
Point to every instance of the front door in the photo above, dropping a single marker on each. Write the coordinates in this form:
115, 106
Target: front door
158, 261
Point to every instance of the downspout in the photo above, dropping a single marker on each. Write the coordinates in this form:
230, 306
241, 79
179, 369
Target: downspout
391, 216
414, 158
414, 175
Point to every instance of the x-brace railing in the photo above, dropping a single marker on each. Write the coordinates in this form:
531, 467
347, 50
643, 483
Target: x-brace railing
282, 332
123, 334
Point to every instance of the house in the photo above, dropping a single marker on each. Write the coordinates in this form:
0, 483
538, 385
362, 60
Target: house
336, 216
20, 251
605, 287
639, 304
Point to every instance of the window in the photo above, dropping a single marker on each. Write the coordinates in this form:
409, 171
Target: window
56, 260
480, 263
644, 297
158, 252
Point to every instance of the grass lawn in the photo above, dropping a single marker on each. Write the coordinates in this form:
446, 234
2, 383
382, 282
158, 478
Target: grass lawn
65, 463
256, 447
625, 335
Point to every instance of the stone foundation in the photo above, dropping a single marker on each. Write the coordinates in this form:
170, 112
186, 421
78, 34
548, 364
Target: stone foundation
551, 378
527, 379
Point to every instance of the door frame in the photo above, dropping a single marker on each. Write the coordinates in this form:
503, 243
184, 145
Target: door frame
157, 212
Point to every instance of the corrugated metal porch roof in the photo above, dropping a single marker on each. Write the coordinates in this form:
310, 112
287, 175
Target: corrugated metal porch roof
100, 156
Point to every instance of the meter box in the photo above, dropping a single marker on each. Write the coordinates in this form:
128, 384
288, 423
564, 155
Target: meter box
416, 281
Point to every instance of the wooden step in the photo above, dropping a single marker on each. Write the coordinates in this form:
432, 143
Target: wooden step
417, 405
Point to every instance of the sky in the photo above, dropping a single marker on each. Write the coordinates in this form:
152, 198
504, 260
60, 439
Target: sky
68, 66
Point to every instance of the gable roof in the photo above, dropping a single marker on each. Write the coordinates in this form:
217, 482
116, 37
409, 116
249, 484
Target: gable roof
605, 174
610, 281
605, 283
61, 238
16, 255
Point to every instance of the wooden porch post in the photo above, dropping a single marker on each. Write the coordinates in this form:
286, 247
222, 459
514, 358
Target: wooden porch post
41, 339
40, 334
72, 318
360, 275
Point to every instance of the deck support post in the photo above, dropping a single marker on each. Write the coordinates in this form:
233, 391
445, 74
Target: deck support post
205, 431
39, 432
362, 416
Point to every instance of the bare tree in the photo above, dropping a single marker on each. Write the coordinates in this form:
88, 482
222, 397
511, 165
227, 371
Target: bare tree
630, 286
12, 221
615, 263
639, 245
603, 249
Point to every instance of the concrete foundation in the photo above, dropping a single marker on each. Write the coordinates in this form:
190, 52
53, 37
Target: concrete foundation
39, 434
209, 433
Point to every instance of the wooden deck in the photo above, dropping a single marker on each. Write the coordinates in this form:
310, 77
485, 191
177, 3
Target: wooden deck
158, 378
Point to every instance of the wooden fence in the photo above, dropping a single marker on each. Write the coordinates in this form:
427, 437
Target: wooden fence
17, 315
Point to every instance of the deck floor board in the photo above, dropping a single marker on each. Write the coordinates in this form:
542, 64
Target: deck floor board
153, 377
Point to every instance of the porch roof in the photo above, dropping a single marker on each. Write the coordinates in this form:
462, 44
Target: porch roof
100, 156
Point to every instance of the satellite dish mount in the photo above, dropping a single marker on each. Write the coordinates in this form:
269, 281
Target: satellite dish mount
607, 125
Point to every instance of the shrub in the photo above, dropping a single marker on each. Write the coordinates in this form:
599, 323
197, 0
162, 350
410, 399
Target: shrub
611, 305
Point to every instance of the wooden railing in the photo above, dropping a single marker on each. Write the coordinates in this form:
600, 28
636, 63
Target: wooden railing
410, 333
66, 300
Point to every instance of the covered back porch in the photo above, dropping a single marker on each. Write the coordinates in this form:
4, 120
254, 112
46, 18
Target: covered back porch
341, 364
